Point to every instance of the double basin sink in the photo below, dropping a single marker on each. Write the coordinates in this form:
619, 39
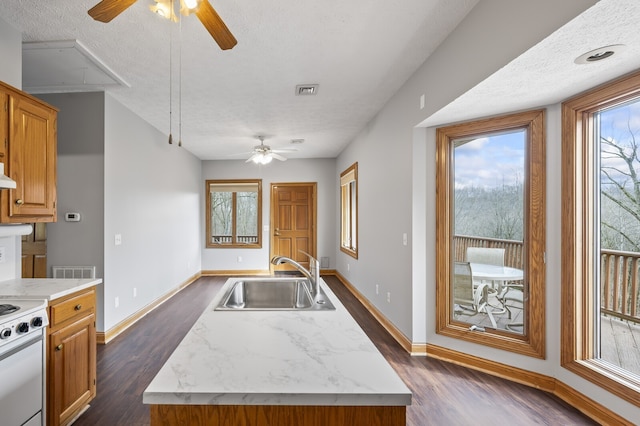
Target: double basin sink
284, 294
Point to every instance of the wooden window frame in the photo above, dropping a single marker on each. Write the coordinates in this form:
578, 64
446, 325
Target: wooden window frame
578, 353
347, 221
235, 244
532, 341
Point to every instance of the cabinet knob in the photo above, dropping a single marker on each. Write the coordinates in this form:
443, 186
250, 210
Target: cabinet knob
59, 347
19, 201
78, 307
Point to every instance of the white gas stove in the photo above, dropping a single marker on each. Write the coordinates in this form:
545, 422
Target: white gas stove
22, 361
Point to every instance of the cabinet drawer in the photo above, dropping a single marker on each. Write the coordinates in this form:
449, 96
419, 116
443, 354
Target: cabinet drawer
75, 307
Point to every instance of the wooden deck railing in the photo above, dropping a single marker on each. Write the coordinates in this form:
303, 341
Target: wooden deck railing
512, 249
228, 239
619, 285
619, 272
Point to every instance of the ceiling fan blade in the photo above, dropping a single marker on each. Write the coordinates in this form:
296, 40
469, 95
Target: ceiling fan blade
284, 150
278, 156
252, 157
214, 24
106, 10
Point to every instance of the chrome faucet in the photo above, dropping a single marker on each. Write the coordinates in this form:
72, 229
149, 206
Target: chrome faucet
313, 274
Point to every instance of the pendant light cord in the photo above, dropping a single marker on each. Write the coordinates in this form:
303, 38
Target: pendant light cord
171, 73
180, 81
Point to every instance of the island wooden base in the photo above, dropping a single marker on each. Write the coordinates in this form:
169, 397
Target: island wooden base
276, 415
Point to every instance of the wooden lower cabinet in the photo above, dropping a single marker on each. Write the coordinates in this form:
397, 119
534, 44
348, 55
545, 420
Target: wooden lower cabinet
280, 415
71, 358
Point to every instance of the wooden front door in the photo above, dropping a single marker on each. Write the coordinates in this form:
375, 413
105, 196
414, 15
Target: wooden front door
34, 252
293, 222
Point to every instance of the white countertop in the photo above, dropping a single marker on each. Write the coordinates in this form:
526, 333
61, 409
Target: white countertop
277, 358
44, 288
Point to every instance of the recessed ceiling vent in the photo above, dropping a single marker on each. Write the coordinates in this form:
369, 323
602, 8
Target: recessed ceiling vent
599, 54
306, 89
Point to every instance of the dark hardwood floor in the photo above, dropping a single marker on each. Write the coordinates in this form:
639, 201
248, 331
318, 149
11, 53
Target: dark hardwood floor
443, 393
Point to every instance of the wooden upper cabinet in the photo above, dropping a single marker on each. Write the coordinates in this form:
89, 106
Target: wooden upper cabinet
30, 149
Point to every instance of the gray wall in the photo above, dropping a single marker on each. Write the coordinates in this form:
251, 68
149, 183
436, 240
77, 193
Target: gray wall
152, 194
322, 171
80, 185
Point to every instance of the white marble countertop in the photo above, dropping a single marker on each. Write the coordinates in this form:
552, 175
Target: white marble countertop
277, 358
44, 288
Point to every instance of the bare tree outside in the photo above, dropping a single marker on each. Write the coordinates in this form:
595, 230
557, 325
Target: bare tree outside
489, 190
619, 132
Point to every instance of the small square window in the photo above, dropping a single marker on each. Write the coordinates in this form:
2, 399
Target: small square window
234, 213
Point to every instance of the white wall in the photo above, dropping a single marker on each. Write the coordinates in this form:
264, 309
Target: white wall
493, 33
10, 73
322, 171
152, 196
11, 54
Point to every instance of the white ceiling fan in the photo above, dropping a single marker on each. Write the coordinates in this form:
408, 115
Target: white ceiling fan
263, 154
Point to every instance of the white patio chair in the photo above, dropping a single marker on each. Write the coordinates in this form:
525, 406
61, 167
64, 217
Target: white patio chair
487, 256
469, 299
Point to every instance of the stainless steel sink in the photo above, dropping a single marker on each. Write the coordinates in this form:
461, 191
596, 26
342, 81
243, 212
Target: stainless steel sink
272, 294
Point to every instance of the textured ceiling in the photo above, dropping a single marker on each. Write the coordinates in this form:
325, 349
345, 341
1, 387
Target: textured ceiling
360, 52
547, 74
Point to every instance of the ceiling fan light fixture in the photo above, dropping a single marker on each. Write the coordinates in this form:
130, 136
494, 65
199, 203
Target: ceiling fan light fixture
190, 4
262, 158
164, 9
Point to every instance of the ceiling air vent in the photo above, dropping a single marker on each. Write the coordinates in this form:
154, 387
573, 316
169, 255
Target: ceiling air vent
306, 89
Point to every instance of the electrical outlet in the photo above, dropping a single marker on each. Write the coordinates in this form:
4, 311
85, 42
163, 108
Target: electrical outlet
117, 302
118, 239
239, 259
348, 268
3, 254
388, 297
135, 292
377, 288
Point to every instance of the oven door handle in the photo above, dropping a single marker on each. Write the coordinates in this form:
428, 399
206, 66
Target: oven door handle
37, 337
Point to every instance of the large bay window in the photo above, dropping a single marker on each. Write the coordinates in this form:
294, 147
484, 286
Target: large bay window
601, 236
490, 232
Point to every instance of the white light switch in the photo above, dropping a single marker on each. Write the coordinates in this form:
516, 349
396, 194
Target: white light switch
404, 239
118, 239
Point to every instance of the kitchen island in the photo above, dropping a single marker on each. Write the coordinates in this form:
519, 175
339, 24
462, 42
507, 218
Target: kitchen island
277, 368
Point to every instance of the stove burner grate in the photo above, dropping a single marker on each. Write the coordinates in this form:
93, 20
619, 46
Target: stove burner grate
6, 309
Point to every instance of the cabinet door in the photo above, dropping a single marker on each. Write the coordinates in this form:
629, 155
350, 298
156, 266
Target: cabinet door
72, 369
32, 161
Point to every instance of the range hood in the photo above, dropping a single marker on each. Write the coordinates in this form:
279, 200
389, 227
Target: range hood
6, 181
